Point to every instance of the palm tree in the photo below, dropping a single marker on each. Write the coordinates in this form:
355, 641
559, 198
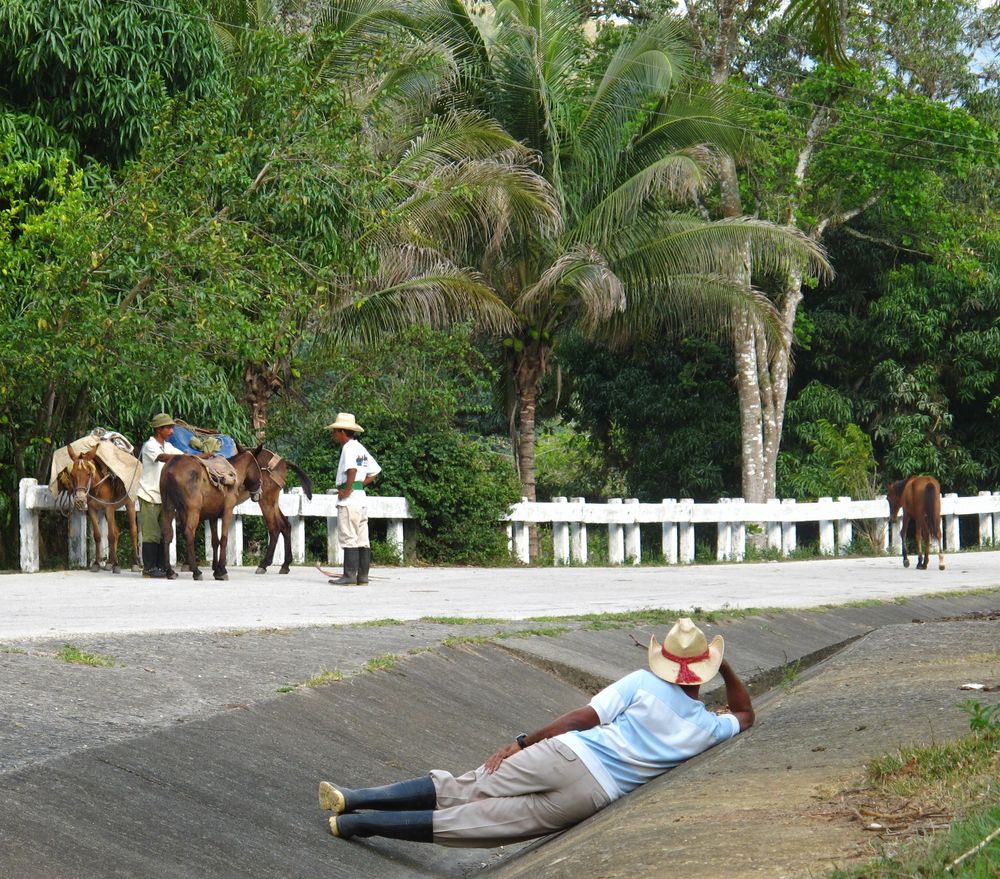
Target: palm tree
623, 154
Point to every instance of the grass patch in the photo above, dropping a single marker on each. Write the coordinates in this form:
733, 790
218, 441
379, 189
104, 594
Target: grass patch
460, 621
5, 649
75, 656
324, 677
937, 806
388, 621
383, 662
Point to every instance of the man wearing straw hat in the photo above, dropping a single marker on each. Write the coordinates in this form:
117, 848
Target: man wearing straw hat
631, 732
156, 451
357, 469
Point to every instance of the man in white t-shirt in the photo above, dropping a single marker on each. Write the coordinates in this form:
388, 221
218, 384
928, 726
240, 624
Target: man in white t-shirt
632, 731
356, 470
156, 451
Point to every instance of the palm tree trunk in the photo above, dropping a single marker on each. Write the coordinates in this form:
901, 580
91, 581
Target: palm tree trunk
528, 366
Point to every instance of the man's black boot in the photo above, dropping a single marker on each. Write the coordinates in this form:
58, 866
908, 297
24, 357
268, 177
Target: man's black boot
364, 563
411, 826
350, 575
404, 796
150, 561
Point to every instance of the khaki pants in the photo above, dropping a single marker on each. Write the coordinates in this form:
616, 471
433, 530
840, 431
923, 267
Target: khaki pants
536, 791
352, 527
149, 521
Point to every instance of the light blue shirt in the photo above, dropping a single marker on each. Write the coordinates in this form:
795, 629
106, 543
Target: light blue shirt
647, 726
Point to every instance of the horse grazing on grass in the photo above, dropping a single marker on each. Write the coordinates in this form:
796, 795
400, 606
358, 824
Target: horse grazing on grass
189, 495
274, 469
920, 499
97, 490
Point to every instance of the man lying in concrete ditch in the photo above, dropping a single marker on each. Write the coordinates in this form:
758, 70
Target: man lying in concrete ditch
631, 732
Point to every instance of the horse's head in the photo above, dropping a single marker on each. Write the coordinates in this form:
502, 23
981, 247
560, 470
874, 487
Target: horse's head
253, 477
79, 477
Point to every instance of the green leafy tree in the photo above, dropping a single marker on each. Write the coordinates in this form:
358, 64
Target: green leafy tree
91, 77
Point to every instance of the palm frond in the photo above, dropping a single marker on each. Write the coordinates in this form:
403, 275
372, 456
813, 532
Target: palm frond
679, 176
578, 287
640, 71
462, 203
684, 244
415, 286
685, 303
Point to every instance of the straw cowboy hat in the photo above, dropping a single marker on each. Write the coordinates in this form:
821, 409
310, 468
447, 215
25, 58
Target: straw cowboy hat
685, 656
162, 420
345, 421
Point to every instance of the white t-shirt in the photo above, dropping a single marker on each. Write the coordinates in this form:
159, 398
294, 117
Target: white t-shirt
647, 727
149, 485
354, 456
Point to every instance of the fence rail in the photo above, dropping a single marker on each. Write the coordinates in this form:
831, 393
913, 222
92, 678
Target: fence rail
570, 520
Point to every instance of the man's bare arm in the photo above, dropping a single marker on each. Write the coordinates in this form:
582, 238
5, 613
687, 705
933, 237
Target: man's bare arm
737, 696
577, 719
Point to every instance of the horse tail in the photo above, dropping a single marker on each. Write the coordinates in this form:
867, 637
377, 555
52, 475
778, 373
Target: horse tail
307, 485
932, 509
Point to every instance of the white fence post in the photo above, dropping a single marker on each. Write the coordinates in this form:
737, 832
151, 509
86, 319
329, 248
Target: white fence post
334, 554
77, 539
788, 531
685, 530
616, 538
724, 535
560, 538
985, 523
578, 536
739, 530
28, 521
669, 531
522, 550
845, 530
951, 530
774, 524
827, 543
633, 545
394, 536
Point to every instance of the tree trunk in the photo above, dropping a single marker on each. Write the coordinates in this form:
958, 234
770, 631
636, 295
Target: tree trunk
262, 381
528, 367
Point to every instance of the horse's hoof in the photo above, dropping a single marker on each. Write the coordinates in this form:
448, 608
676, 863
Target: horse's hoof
137, 569
941, 566
906, 563
197, 575
284, 570
261, 569
95, 568
115, 569
222, 576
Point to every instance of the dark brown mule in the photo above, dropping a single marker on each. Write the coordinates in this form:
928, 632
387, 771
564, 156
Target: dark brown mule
920, 499
274, 469
97, 490
189, 495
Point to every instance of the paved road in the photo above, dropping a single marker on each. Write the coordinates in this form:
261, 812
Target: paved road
56, 604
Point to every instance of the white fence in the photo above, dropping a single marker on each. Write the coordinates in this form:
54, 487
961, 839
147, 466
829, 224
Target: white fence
570, 520
35, 498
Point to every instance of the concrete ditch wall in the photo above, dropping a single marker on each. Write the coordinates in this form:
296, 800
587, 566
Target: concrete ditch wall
227, 793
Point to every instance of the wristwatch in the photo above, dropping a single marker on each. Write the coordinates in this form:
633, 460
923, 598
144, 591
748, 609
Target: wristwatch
522, 741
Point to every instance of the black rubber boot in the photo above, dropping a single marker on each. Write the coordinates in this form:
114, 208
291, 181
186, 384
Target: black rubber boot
350, 575
162, 553
403, 796
364, 563
411, 826
151, 561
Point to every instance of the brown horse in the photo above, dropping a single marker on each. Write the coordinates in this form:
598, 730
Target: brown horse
920, 499
274, 469
189, 494
96, 489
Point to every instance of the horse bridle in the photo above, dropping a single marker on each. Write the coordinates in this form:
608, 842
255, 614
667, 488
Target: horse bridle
91, 485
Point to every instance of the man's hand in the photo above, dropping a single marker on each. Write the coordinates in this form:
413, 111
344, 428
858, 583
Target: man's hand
493, 764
